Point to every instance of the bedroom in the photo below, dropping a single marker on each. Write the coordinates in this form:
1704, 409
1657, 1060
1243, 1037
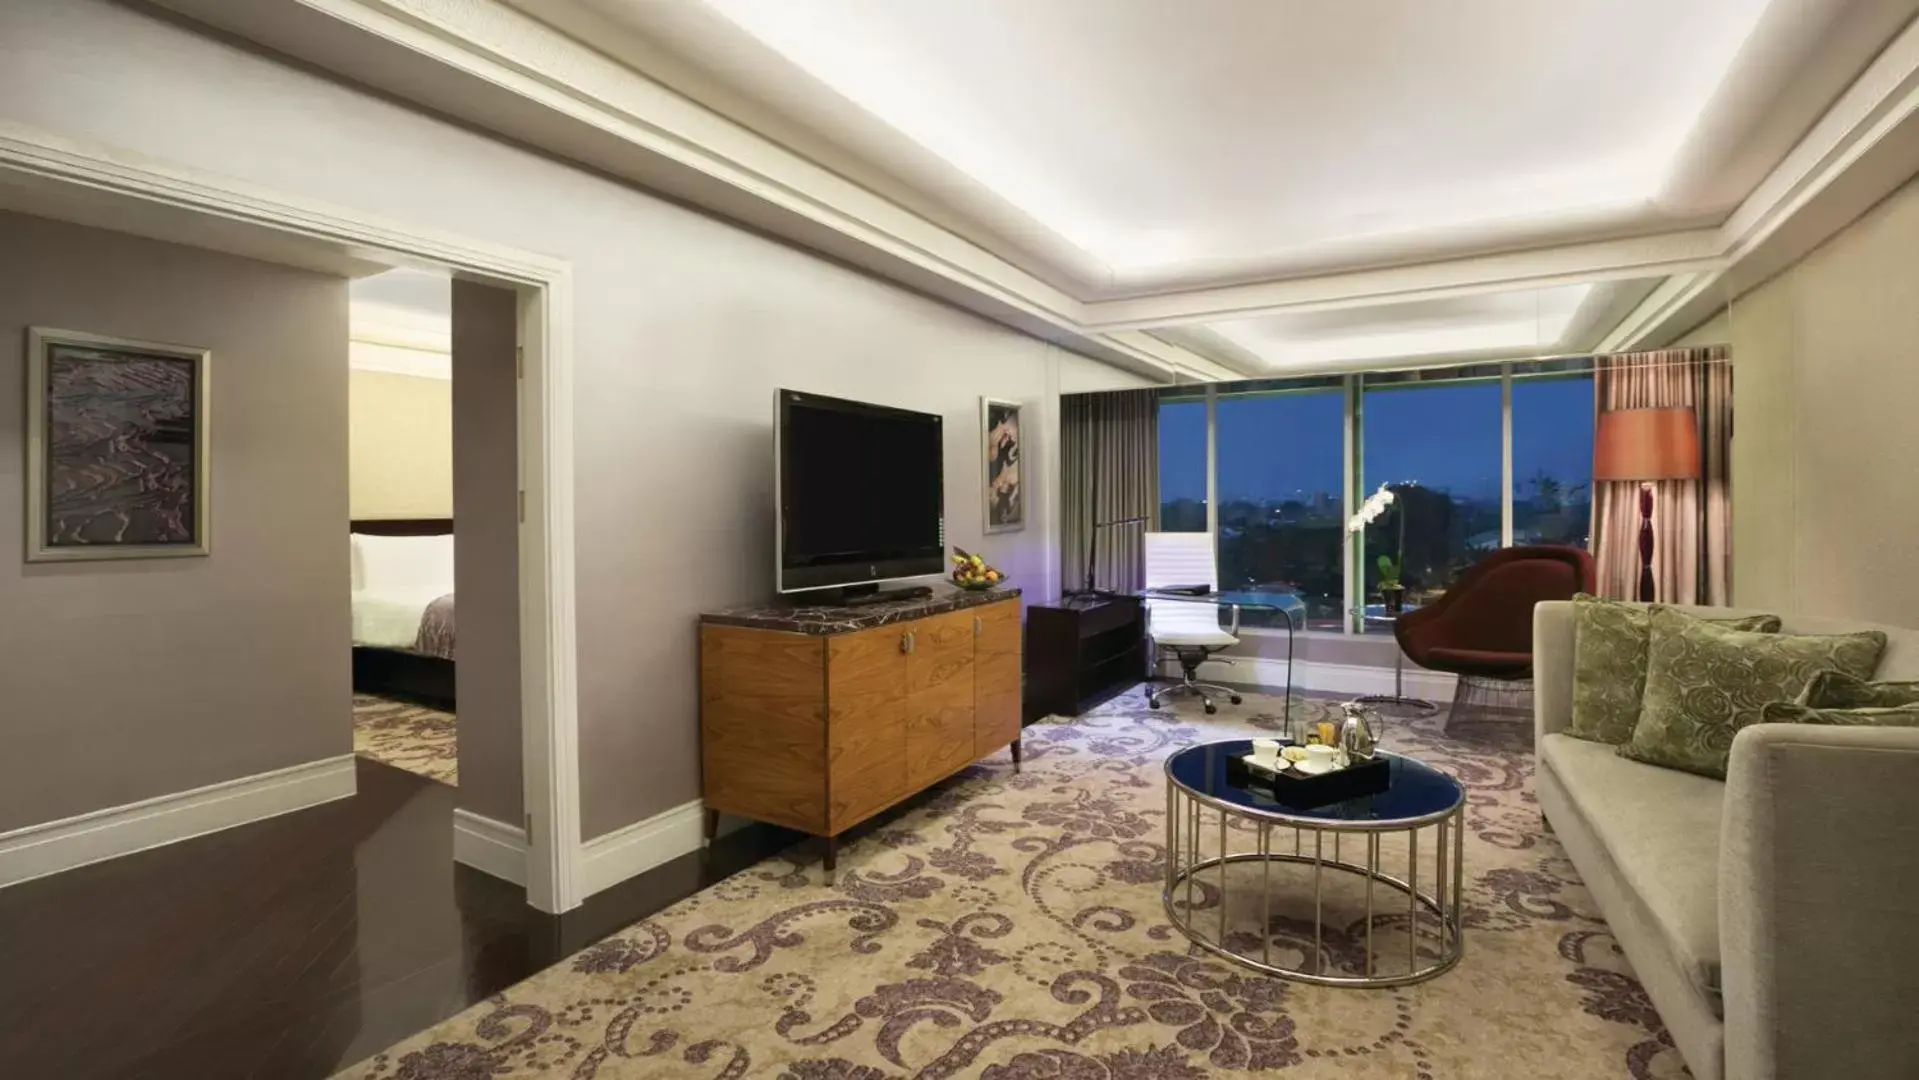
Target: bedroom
400, 412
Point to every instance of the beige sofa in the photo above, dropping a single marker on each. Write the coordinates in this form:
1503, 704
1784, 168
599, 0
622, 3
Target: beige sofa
1773, 918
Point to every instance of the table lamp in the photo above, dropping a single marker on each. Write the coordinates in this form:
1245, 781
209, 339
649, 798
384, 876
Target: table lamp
1645, 445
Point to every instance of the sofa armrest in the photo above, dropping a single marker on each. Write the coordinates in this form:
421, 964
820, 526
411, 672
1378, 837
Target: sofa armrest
1818, 893
1552, 667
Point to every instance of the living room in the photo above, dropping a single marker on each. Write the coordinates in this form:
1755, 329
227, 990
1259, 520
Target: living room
1496, 410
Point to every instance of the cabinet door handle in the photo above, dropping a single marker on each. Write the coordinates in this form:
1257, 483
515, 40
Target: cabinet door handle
906, 642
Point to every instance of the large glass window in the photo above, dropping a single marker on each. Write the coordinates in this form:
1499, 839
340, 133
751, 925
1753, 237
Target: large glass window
1552, 459
1182, 465
1280, 475
1438, 446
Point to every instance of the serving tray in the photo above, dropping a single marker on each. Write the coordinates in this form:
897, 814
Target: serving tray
1356, 780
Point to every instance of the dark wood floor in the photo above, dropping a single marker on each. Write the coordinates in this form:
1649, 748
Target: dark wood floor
292, 947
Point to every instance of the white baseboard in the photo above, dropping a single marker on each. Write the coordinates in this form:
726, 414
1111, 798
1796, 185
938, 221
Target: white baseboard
1327, 678
490, 846
38, 850
607, 860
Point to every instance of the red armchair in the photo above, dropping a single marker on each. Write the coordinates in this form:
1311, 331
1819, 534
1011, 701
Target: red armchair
1483, 626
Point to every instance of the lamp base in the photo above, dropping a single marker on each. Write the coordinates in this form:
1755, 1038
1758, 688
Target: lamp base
1645, 544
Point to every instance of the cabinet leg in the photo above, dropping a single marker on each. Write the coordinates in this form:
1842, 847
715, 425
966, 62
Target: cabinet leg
1016, 758
832, 856
710, 825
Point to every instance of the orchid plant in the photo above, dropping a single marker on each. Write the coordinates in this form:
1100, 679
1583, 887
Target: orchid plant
1369, 511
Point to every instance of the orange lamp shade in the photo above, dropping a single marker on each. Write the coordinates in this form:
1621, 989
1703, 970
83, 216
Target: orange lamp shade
1647, 444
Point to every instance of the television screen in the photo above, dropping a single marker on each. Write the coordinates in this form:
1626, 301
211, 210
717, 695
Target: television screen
861, 495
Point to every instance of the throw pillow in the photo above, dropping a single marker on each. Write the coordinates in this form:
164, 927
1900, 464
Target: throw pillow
1610, 644
1837, 690
1705, 682
1792, 712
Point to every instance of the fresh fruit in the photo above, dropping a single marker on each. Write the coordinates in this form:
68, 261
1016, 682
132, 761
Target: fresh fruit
971, 571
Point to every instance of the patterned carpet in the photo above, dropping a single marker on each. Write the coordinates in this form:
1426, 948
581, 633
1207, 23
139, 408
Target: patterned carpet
407, 736
1011, 928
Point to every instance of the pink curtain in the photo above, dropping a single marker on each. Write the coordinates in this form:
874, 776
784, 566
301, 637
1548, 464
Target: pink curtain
1692, 519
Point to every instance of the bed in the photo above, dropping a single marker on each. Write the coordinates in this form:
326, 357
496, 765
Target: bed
403, 622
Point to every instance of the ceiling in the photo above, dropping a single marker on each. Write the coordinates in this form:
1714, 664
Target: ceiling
1206, 189
1168, 160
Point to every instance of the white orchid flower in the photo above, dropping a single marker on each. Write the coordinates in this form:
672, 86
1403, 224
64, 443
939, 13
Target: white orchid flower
1369, 511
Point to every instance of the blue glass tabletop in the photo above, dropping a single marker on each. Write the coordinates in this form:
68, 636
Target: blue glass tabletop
1413, 790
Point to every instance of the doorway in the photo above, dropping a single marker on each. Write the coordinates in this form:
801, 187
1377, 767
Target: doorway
89, 184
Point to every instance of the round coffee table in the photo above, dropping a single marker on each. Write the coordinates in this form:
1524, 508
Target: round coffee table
1409, 799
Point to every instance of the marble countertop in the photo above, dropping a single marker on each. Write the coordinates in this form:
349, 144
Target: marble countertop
801, 619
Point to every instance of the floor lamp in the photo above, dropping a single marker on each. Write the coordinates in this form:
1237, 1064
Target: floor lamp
1645, 445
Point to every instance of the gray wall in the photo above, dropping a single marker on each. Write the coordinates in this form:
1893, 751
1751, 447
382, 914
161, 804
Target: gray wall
121, 681
1824, 382
486, 538
684, 328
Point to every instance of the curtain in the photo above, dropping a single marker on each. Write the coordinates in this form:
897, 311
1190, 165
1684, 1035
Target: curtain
1109, 472
1692, 519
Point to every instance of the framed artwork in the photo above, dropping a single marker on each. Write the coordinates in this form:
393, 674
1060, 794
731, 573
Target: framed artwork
1005, 493
117, 462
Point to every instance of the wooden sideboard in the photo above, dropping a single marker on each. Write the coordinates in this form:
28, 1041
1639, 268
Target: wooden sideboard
819, 718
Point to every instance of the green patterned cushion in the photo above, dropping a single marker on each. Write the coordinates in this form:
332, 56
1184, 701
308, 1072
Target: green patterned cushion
1610, 644
1705, 682
1837, 690
1792, 712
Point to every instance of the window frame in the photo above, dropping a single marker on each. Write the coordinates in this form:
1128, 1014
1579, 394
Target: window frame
1354, 386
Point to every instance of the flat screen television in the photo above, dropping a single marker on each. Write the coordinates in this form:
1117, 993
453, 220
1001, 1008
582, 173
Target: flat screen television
860, 495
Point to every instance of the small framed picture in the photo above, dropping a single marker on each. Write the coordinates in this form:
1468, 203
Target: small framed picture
1005, 491
117, 462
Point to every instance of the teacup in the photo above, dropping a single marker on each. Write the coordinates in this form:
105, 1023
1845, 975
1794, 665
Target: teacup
1320, 757
1266, 753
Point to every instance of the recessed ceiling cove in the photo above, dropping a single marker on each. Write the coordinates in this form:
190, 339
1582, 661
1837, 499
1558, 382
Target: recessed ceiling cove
1175, 143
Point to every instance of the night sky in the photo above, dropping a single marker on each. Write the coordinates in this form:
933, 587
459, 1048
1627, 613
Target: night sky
1290, 446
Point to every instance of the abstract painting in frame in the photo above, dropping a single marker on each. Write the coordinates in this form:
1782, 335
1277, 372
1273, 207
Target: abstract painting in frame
117, 461
1005, 487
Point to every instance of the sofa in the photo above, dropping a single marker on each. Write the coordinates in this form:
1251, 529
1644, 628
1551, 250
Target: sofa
1773, 918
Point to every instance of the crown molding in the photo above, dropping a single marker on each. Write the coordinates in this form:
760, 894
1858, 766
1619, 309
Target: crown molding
1862, 149
490, 61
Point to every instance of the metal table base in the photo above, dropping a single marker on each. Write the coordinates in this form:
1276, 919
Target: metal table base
1398, 698
1443, 932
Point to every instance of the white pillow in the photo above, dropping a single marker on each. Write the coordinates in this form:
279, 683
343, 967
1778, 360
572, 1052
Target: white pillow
403, 566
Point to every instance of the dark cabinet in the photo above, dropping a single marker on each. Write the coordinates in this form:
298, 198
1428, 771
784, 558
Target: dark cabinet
1081, 651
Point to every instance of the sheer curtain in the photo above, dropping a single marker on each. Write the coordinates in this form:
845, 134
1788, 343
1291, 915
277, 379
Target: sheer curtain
1692, 519
1109, 471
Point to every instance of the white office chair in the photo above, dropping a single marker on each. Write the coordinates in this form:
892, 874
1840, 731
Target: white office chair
1186, 627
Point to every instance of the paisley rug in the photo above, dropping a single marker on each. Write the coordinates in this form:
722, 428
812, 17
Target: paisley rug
1011, 927
407, 736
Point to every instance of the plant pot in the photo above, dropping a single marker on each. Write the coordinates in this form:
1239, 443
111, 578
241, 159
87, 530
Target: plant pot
1394, 599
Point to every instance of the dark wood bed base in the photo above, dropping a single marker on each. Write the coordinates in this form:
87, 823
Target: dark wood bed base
391, 672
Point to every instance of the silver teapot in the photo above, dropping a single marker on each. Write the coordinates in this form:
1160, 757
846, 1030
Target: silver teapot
1357, 737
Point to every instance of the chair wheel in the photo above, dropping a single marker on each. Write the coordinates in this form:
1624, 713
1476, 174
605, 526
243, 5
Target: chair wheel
1234, 699
1152, 703
1211, 708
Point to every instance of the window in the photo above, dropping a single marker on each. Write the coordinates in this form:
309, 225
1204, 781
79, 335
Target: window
1552, 459
1280, 476
1439, 446
1182, 465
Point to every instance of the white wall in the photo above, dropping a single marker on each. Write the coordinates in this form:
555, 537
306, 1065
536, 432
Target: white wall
1825, 377
685, 326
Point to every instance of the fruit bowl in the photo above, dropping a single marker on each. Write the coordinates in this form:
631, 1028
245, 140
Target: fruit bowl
970, 572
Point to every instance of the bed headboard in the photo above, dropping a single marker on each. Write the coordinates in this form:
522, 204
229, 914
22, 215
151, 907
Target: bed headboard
404, 527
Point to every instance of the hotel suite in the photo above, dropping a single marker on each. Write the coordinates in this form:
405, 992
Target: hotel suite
1102, 540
